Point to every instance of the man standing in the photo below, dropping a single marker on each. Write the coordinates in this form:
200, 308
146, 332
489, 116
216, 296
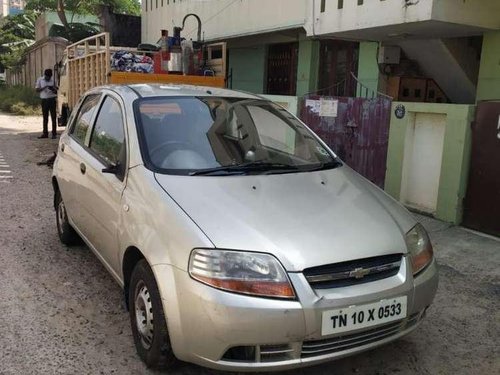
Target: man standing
48, 93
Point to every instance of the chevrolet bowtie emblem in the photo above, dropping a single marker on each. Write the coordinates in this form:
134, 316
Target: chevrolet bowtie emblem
359, 273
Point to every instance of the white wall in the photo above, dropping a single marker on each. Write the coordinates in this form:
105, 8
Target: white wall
371, 14
379, 13
482, 13
221, 18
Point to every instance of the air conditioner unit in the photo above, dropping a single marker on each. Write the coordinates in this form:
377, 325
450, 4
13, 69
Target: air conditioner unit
389, 55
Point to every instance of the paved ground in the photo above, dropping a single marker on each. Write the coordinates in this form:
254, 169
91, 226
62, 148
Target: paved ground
61, 313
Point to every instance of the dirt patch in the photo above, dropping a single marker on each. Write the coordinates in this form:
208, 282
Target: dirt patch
62, 313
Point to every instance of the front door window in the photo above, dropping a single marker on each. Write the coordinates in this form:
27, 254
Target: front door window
107, 140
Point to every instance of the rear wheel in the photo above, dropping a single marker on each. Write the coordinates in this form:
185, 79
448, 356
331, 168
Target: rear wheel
147, 318
66, 233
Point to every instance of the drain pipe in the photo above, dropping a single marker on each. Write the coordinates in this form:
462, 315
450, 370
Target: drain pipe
199, 24
313, 18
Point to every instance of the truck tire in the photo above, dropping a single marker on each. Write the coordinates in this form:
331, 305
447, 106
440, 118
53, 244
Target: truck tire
63, 118
149, 326
66, 233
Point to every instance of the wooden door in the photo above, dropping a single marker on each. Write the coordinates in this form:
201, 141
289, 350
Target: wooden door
482, 202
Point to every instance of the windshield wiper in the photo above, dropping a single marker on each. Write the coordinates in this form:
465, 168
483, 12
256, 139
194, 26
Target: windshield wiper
246, 167
335, 163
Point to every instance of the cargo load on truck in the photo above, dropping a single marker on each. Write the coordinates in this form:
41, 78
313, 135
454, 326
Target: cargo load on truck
93, 62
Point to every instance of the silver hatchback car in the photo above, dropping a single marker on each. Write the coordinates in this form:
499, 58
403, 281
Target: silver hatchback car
241, 241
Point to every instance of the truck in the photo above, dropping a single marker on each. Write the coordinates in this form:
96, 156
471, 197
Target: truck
87, 64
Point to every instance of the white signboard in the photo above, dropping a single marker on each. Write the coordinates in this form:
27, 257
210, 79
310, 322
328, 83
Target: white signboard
328, 108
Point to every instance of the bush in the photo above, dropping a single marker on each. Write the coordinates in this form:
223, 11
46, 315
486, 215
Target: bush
25, 110
19, 100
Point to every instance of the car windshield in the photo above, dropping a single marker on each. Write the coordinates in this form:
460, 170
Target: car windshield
224, 136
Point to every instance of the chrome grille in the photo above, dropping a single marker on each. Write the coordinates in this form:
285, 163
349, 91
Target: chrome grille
345, 342
353, 272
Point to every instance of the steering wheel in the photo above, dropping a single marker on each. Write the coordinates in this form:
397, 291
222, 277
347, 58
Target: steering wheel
158, 153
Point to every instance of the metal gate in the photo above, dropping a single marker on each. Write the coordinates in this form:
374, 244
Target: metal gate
282, 62
482, 201
357, 129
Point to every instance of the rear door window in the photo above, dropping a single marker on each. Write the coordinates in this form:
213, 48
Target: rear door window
83, 119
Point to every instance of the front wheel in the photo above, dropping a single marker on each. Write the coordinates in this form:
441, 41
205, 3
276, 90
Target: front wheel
147, 318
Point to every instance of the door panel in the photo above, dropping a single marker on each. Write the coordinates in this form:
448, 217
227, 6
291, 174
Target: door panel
70, 178
337, 60
71, 151
422, 162
102, 192
482, 202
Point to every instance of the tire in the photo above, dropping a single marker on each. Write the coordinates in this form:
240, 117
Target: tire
66, 233
150, 333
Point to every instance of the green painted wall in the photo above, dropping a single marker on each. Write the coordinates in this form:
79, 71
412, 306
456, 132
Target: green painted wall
455, 160
368, 71
489, 72
248, 68
308, 67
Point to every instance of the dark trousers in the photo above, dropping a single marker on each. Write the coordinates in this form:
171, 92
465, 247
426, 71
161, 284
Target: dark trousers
49, 105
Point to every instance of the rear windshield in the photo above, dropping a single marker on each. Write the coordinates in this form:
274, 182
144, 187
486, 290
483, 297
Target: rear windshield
215, 135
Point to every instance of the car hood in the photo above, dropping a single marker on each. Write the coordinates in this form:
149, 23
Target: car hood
304, 219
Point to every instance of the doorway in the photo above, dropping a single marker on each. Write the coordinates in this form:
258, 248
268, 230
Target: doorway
282, 63
482, 200
424, 144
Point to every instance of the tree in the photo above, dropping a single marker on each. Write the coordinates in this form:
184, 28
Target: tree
132, 7
74, 31
16, 34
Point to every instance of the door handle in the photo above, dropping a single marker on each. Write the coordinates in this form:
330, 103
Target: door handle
62, 147
83, 168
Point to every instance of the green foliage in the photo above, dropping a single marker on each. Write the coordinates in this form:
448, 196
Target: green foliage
25, 110
16, 34
132, 7
81, 130
75, 32
19, 100
107, 147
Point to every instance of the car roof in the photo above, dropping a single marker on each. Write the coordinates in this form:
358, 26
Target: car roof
154, 90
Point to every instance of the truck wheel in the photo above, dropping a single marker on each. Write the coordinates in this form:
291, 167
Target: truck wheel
147, 318
64, 115
66, 233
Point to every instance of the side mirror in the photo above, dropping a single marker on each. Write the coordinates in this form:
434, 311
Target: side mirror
117, 169
113, 169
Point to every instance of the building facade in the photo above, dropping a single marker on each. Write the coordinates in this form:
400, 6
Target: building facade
292, 47
437, 59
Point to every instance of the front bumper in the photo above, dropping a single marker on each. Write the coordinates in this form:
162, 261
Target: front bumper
204, 323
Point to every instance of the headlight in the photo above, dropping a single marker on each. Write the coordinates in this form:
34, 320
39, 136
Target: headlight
419, 247
241, 272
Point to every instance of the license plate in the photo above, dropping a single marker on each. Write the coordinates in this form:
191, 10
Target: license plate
362, 316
